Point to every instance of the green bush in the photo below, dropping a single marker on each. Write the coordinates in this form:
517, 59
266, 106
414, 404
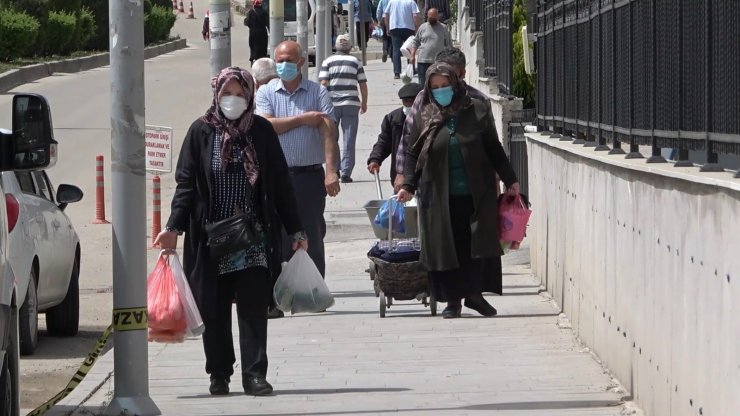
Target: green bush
167, 4
147, 7
72, 6
100, 40
59, 33
18, 34
523, 83
85, 28
157, 24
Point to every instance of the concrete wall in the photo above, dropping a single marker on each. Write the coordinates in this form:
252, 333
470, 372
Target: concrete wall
645, 261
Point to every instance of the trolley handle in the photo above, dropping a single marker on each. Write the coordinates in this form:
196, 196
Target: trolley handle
377, 185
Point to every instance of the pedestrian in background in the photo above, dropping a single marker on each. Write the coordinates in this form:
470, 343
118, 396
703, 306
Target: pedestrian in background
231, 162
452, 158
258, 22
391, 129
402, 18
387, 42
302, 114
443, 8
364, 16
342, 74
264, 71
430, 39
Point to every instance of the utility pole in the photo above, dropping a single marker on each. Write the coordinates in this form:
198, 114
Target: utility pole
277, 25
351, 22
220, 25
329, 26
301, 14
127, 116
363, 35
320, 35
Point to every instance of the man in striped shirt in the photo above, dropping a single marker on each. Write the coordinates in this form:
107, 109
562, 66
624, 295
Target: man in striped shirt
342, 74
302, 115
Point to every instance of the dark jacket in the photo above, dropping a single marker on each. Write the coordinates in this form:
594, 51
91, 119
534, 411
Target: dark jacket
191, 205
257, 20
484, 157
388, 139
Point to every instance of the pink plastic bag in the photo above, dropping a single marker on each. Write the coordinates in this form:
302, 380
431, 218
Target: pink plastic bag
513, 216
165, 312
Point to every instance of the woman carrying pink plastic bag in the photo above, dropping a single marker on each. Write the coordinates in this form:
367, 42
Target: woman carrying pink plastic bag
513, 216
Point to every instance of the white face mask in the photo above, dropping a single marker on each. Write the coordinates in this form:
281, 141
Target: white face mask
406, 110
232, 106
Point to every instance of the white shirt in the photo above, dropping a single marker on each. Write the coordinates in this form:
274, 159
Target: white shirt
401, 14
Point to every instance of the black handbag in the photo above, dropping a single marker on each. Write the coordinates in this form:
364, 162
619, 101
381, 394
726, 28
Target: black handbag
232, 235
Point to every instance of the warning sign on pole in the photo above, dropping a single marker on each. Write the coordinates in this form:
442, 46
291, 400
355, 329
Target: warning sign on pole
158, 149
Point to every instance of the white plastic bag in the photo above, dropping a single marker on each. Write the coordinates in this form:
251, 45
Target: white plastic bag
407, 45
300, 287
408, 74
192, 314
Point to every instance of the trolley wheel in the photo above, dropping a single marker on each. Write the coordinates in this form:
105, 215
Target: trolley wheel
376, 288
381, 303
371, 270
433, 305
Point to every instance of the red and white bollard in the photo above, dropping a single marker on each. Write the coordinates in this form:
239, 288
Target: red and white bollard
181, 9
191, 13
99, 191
174, 5
156, 209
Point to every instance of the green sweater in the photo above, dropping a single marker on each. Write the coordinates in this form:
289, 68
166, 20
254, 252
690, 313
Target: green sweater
456, 163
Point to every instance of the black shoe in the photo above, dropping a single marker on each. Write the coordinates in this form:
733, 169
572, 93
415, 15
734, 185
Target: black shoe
274, 313
480, 305
257, 386
452, 311
219, 386
345, 179
385, 56
397, 76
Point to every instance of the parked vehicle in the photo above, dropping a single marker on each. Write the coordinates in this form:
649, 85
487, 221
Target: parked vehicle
44, 252
28, 146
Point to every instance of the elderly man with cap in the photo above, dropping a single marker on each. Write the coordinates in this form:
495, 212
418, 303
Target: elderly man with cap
342, 74
391, 129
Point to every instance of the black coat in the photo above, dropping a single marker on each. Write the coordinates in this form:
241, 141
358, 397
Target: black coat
191, 205
388, 139
257, 20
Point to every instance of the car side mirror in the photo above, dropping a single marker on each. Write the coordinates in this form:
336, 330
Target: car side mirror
32, 145
67, 194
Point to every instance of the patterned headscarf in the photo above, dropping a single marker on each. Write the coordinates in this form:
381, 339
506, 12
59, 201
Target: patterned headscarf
235, 131
434, 116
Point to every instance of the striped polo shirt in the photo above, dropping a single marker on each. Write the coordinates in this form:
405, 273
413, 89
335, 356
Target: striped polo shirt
303, 145
344, 73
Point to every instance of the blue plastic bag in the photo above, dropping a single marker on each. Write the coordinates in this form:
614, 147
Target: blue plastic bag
391, 209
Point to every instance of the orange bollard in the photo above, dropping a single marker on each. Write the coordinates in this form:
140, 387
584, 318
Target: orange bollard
156, 209
181, 9
191, 13
99, 191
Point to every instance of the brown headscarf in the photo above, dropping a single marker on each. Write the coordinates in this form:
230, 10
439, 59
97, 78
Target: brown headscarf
235, 131
434, 116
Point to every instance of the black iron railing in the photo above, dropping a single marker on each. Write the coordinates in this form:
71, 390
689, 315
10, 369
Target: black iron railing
497, 53
476, 11
660, 73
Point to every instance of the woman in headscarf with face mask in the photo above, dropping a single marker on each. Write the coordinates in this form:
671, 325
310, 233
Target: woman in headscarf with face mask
452, 162
231, 163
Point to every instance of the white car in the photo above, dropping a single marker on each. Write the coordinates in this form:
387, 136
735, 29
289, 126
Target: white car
44, 252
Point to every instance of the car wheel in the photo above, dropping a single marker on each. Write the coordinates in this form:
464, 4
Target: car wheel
9, 393
28, 319
63, 320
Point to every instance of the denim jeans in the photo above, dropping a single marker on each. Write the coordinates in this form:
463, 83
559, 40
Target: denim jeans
421, 71
348, 120
398, 37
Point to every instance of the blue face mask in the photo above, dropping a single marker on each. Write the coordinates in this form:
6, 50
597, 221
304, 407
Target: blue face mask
443, 96
287, 71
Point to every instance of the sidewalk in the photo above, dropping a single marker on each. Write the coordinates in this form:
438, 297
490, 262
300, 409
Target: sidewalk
348, 361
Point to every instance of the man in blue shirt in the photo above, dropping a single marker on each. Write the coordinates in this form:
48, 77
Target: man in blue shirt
301, 113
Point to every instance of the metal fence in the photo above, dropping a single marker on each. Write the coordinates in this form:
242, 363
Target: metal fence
659, 73
496, 26
518, 145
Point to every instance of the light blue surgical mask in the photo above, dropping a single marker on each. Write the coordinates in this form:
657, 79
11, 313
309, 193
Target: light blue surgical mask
287, 71
443, 96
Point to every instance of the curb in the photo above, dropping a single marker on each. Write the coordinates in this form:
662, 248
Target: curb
31, 73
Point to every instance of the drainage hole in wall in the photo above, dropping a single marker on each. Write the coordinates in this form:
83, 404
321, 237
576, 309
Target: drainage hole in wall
610, 319
634, 344
701, 410
715, 272
692, 259
624, 334
603, 314
659, 241
678, 252
691, 402
618, 330
728, 278
640, 351
676, 387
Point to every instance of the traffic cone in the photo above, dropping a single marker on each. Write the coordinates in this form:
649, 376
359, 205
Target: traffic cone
191, 14
181, 9
99, 191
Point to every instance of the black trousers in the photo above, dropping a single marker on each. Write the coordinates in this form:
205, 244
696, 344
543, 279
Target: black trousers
310, 193
467, 279
358, 34
252, 290
257, 45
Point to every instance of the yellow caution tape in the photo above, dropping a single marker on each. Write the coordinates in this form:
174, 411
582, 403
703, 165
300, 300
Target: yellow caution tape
130, 319
79, 375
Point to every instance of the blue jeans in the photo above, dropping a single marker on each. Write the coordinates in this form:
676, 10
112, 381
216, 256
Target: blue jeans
348, 120
421, 71
398, 37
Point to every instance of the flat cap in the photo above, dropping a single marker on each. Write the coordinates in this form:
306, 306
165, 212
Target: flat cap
410, 90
